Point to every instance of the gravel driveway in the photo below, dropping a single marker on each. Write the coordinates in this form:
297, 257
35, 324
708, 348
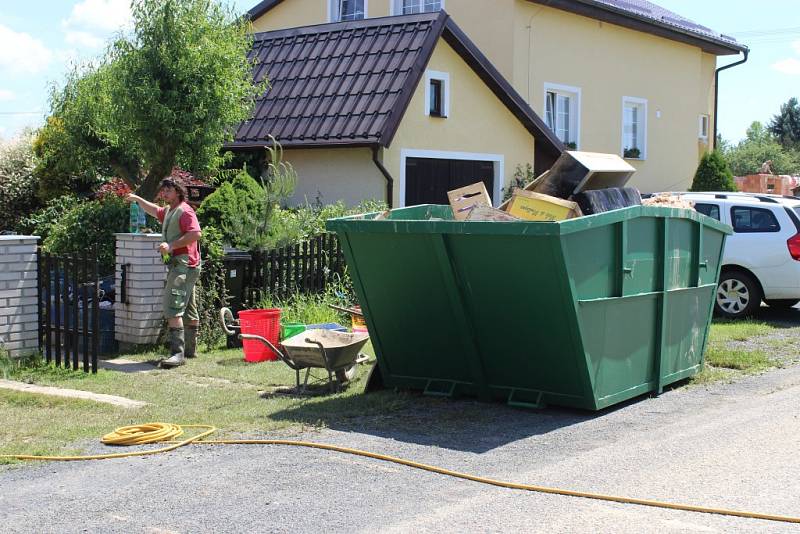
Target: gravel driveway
729, 446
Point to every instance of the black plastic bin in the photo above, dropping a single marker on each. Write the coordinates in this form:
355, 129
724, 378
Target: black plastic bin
235, 262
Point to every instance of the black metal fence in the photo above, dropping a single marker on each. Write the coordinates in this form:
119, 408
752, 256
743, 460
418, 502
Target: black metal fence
68, 291
307, 267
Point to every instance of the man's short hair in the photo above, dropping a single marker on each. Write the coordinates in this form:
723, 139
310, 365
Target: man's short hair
177, 185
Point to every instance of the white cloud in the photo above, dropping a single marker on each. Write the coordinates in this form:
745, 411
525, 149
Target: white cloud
22, 54
83, 39
788, 66
99, 15
6, 95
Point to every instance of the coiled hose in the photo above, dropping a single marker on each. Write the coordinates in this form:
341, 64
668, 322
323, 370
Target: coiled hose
167, 432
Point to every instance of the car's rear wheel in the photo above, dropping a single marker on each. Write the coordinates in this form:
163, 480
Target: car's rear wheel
738, 295
782, 304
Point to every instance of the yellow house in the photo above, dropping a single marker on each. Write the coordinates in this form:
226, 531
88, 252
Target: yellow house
401, 109
617, 76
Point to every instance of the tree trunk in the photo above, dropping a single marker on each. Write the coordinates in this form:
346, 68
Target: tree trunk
149, 187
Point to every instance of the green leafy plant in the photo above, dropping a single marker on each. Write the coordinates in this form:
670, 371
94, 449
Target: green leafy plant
41, 221
522, 177
167, 93
633, 153
571, 145
17, 181
747, 156
90, 224
211, 288
713, 174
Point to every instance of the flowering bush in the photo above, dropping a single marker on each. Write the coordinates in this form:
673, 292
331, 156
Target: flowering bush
116, 186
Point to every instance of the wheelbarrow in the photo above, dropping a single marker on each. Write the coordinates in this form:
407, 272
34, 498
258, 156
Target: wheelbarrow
338, 353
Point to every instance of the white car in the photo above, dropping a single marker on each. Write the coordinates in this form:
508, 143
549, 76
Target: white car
761, 260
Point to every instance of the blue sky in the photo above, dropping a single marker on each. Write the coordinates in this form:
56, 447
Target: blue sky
39, 38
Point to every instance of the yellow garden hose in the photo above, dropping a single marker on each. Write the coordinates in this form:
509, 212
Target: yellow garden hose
166, 432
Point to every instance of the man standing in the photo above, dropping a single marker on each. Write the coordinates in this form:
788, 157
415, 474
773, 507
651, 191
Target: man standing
181, 232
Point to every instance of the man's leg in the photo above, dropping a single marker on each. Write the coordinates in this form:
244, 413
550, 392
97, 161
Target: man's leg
192, 316
174, 305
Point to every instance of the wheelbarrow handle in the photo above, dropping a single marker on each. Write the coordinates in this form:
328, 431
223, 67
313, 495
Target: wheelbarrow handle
351, 311
281, 356
227, 320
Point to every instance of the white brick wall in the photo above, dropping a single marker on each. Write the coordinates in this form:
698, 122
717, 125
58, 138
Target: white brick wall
19, 313
139, 321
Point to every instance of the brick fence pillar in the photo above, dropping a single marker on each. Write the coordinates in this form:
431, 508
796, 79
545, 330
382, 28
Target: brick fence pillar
138, 321
19, 313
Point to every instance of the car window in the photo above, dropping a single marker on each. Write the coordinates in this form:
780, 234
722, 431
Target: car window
709, 210
746, 219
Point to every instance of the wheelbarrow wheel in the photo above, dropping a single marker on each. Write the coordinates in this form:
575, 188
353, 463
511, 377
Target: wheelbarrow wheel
343, 376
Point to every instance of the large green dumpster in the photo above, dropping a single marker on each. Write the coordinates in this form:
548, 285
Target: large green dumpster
586, 312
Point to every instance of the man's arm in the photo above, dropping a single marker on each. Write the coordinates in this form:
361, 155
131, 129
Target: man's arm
149, 208
185, 240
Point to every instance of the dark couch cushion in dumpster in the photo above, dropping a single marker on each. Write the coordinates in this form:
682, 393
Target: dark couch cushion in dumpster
602, 200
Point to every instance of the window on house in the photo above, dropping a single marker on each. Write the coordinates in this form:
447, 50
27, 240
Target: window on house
408, 7
562, 113
437, 96
703, 128
634, 128
342, 10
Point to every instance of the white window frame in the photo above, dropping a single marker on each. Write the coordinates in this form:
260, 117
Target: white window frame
335, 16
574, 93
700, 123
396, 7
642, 103
497, 159
443, 77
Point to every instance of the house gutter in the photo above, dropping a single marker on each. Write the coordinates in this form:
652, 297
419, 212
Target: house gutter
746, 52
385, 173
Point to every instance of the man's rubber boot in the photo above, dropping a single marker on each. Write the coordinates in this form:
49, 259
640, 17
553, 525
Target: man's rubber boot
191, 340
176, 345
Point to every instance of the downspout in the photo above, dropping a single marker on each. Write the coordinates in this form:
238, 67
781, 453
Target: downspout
716, 91
385, 173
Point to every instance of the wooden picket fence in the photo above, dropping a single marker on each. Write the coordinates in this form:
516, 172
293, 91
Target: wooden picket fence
308, 267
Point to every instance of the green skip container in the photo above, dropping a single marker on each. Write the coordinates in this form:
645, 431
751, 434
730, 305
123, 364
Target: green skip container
587, 312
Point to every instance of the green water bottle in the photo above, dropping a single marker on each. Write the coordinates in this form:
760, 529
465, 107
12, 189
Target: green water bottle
134, 218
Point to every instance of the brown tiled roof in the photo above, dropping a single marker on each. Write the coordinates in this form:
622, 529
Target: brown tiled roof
640, 15
350, 83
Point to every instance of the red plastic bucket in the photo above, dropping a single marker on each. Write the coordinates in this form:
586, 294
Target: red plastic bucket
264, 323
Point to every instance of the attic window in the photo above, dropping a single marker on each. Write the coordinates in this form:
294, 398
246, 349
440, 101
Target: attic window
342, 10
437, 94
409, 7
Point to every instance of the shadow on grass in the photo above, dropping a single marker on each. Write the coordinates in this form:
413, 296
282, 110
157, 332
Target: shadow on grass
776, 317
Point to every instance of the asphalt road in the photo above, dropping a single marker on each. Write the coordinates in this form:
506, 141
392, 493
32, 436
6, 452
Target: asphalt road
731, 446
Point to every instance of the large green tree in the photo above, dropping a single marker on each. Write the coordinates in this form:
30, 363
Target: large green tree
759, 146
168, 93
785, 126
713, 174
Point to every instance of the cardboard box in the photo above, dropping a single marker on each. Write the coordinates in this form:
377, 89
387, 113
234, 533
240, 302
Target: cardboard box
464, 199
537, 207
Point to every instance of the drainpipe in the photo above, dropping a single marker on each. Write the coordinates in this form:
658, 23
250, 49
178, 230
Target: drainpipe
385, 173
716, 91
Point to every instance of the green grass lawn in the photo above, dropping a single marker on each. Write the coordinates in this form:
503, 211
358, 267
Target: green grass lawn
221, 389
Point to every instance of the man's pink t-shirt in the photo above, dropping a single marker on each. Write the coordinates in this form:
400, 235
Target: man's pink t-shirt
188, 223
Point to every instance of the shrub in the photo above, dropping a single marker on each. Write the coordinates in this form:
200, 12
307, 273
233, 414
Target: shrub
522, 177
90, 225
17, 182
229, 202
211, 288
44, 219
713, 174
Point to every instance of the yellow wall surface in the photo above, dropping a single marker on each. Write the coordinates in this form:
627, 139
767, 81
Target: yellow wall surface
346, 174
608, 62
477, 124
531, 45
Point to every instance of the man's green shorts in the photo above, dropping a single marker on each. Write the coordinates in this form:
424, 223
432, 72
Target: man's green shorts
180, 294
